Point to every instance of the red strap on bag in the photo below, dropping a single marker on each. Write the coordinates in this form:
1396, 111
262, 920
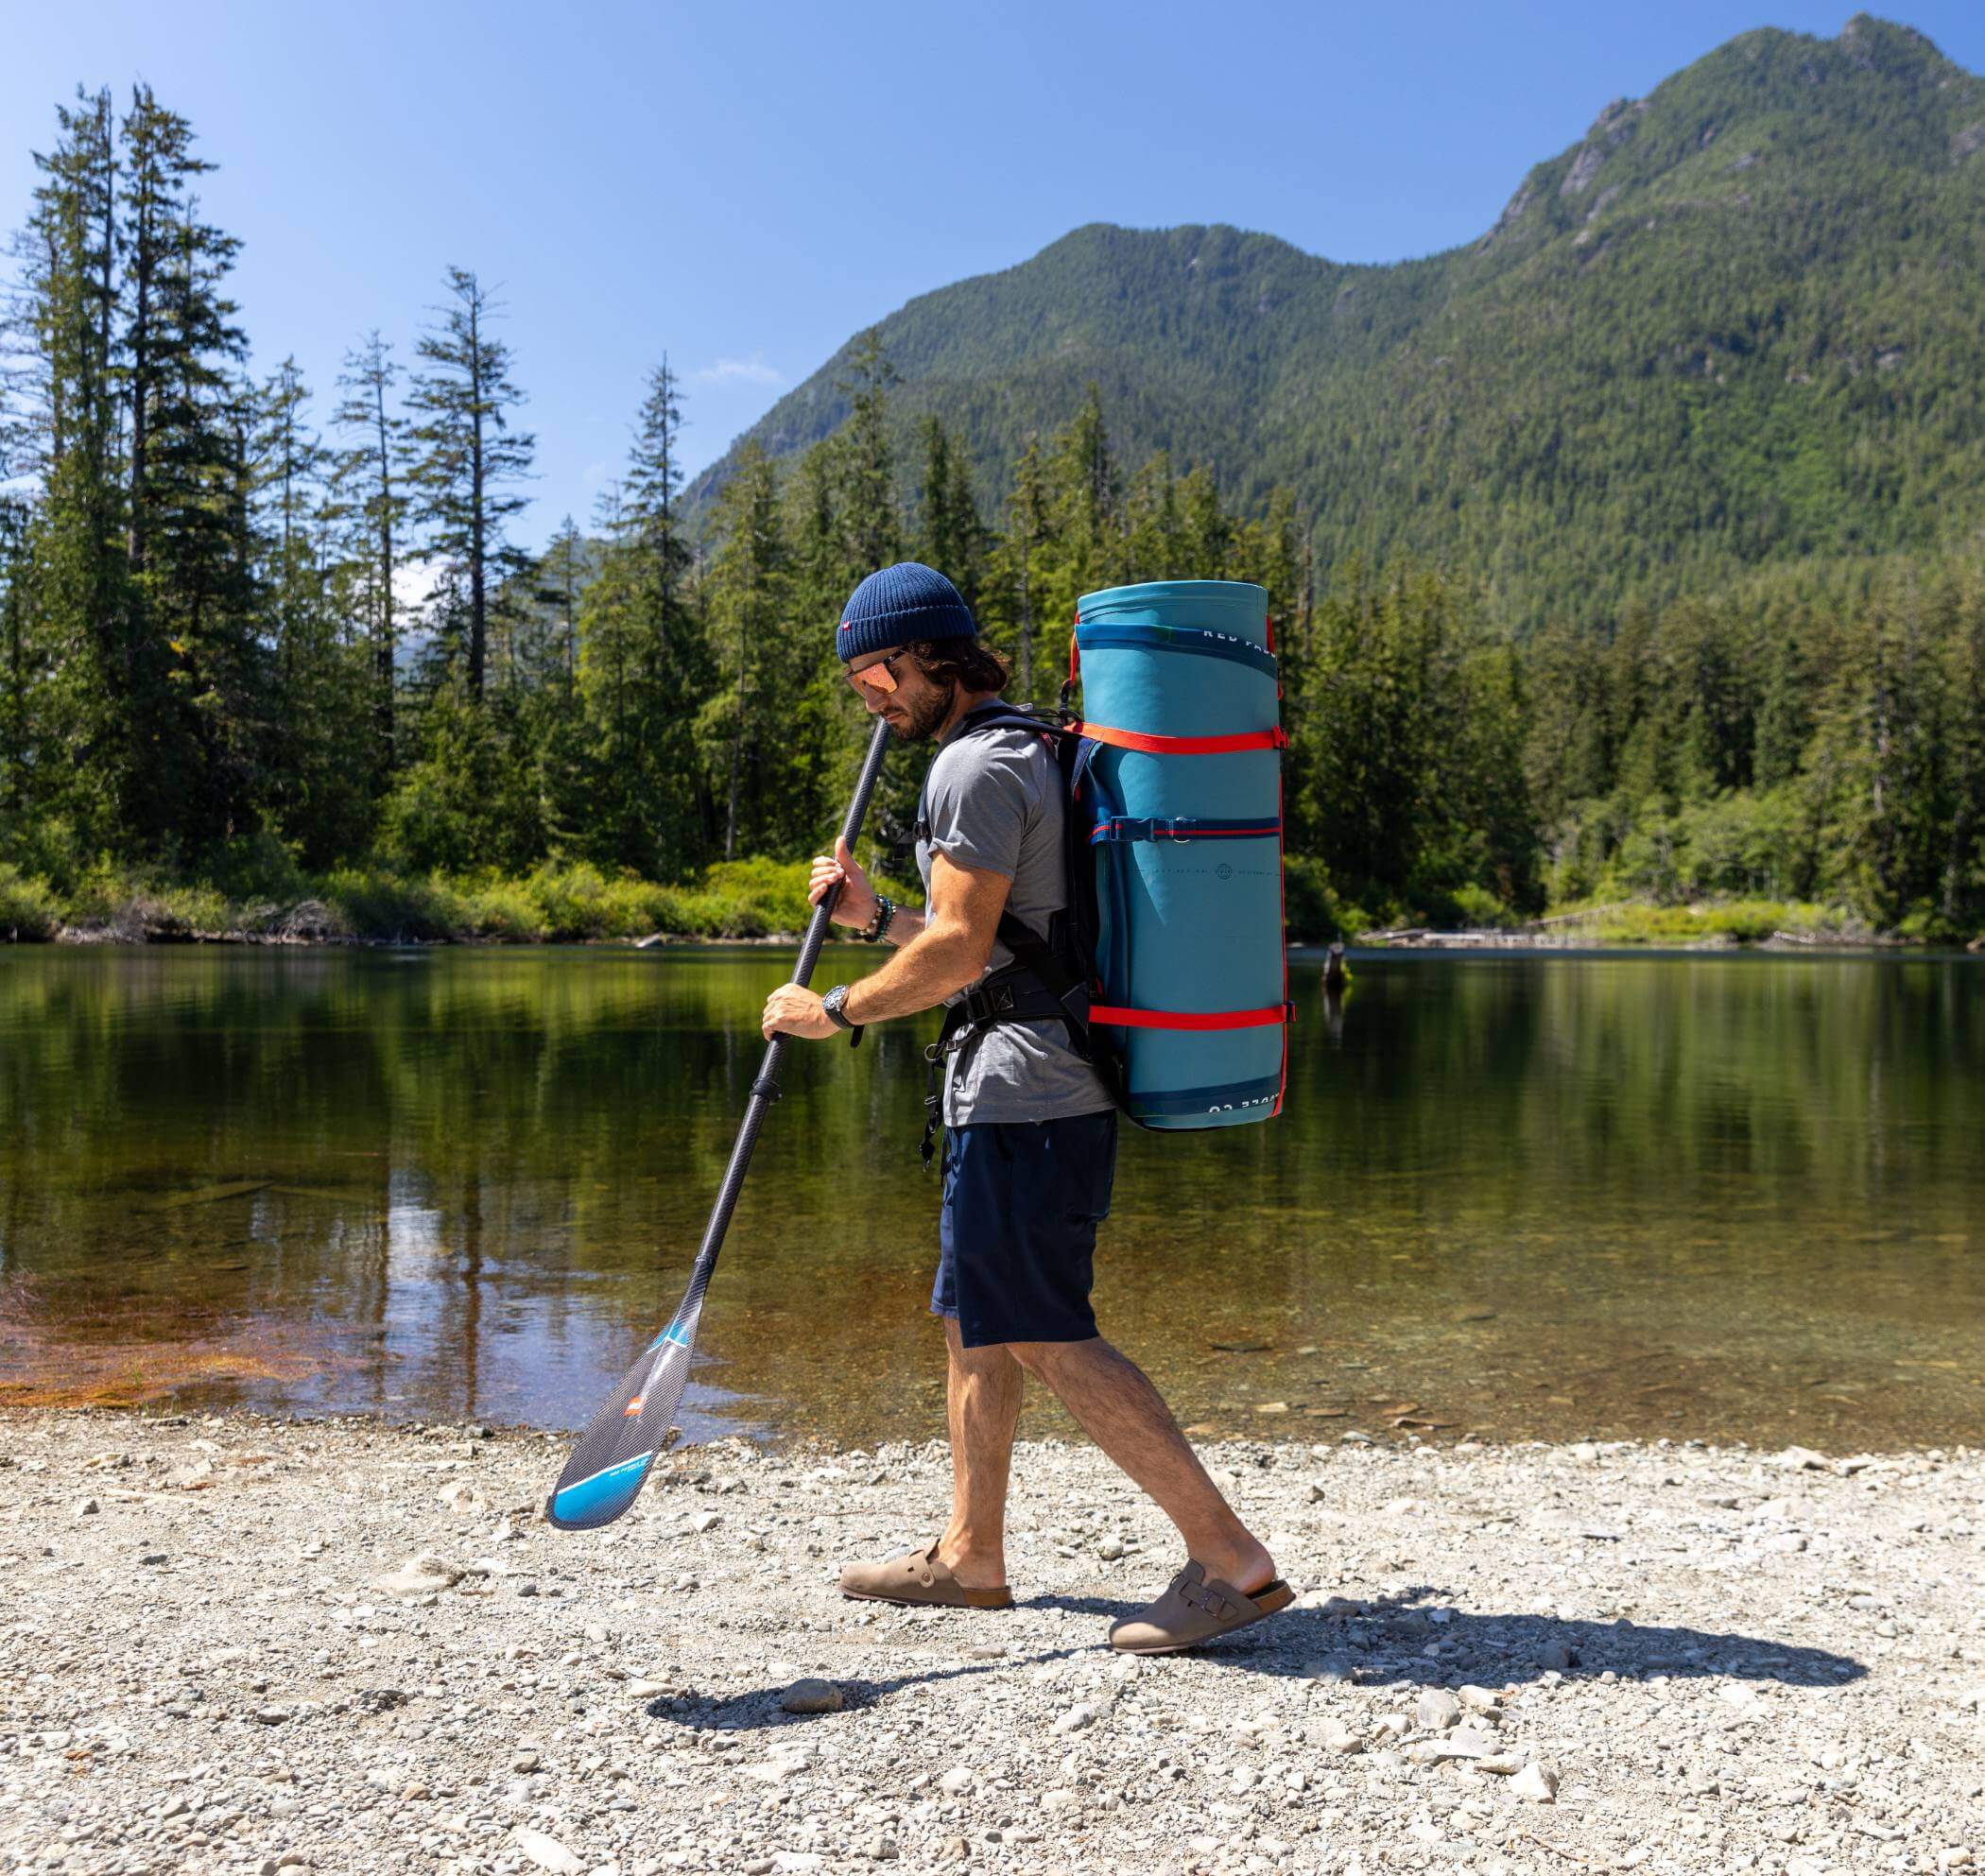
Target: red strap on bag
1188, 1019
1184, 746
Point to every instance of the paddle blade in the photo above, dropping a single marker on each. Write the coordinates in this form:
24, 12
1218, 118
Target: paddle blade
610, 1462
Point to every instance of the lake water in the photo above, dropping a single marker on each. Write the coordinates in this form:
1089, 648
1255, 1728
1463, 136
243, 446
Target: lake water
1515, 1196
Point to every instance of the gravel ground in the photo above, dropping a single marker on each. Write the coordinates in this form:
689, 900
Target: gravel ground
218, 1652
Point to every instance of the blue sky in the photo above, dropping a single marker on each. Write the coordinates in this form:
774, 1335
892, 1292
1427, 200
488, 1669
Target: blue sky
745, 187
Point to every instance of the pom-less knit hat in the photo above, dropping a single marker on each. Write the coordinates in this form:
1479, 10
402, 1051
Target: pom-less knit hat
901, 605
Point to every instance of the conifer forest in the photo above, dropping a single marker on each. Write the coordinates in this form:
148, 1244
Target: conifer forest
275, 655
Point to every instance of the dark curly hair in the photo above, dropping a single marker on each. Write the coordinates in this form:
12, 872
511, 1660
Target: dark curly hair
964, 662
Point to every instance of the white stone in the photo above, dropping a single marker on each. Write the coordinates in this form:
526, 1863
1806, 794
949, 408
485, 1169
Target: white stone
419, 1576
546, 1853
1436, 1709
957, 1778
1538, 1783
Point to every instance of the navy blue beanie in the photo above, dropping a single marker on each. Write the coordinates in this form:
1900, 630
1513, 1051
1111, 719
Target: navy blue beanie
901, 605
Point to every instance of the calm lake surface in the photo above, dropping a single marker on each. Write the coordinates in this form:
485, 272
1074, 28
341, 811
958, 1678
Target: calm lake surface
1557, 1196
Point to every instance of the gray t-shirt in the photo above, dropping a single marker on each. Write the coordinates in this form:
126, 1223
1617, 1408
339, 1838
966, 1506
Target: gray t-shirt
993, 800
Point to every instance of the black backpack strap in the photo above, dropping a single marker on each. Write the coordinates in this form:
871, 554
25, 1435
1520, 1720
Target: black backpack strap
1059, 974
1049, 977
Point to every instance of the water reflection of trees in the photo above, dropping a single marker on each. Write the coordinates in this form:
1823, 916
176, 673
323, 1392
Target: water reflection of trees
494, 1165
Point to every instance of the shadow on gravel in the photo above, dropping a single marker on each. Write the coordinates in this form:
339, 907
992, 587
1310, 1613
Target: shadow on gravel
760, 1710
1373, 1643
1384, 1639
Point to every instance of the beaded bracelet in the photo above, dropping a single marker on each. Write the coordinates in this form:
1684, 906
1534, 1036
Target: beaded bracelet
879, 925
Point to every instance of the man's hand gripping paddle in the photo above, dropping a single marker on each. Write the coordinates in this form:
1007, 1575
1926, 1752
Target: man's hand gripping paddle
607, 1468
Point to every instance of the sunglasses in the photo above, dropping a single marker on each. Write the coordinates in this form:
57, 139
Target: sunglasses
879, 677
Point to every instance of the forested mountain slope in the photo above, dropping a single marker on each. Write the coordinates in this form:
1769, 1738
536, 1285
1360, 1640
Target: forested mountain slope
1737, 323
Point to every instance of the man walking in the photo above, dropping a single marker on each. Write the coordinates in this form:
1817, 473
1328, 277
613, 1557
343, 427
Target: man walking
1031, 1130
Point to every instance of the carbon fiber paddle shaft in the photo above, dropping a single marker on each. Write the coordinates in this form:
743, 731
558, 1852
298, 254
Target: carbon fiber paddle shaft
612, 1457
764, 1090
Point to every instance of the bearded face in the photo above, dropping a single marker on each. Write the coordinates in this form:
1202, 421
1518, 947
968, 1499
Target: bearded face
926, 704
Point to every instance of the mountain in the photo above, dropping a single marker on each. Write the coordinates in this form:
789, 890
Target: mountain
1736, 323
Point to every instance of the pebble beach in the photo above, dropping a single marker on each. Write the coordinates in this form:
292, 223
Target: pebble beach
231, 1644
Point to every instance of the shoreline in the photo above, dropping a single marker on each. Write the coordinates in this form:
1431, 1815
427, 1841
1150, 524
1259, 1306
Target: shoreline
1626, 1655
1366, 945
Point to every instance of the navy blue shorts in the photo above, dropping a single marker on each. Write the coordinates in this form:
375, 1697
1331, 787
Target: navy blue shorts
1017, 1235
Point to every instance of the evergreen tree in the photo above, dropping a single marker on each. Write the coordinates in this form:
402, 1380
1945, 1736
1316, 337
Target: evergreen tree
320, 710
554, 726
1961, 889
1785, 716
77, 616
562, 575
749, 615
668, 815
1017, 567
370, 480
614, 655
1087, 503
196, 702
826, 733
864, 461
18, 674
1204, 529
470, 461
1154, 545
952, 537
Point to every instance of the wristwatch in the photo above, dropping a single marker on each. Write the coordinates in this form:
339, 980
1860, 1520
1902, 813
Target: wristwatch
831, 1003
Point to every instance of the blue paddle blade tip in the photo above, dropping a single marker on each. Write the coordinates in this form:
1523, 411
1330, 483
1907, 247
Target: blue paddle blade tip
600, 1497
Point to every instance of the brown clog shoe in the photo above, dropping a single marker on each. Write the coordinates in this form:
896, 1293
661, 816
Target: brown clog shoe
1194, 1610
917, 1576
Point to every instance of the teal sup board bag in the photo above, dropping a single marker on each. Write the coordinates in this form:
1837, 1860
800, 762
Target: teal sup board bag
1168, 970
1181, 797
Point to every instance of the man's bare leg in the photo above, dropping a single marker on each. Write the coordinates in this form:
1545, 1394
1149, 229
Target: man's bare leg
1127, 1417
982, 1389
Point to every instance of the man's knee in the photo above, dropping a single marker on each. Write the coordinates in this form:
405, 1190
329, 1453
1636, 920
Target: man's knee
1047, 1359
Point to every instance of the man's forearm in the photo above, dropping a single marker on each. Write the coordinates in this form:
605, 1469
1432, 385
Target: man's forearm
932, 962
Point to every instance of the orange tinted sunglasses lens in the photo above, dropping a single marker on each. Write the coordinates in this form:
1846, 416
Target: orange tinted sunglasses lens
877, 676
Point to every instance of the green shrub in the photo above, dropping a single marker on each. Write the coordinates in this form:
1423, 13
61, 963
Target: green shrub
377, 904
255, 866
1476, 908
1746, 921
28, 908
1310, 908
767, 895
179, 911
489, 906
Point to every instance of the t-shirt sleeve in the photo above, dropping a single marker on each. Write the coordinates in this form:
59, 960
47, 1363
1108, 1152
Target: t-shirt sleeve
980, 800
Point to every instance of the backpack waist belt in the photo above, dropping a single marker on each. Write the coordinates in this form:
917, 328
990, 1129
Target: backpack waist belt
1023, 991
